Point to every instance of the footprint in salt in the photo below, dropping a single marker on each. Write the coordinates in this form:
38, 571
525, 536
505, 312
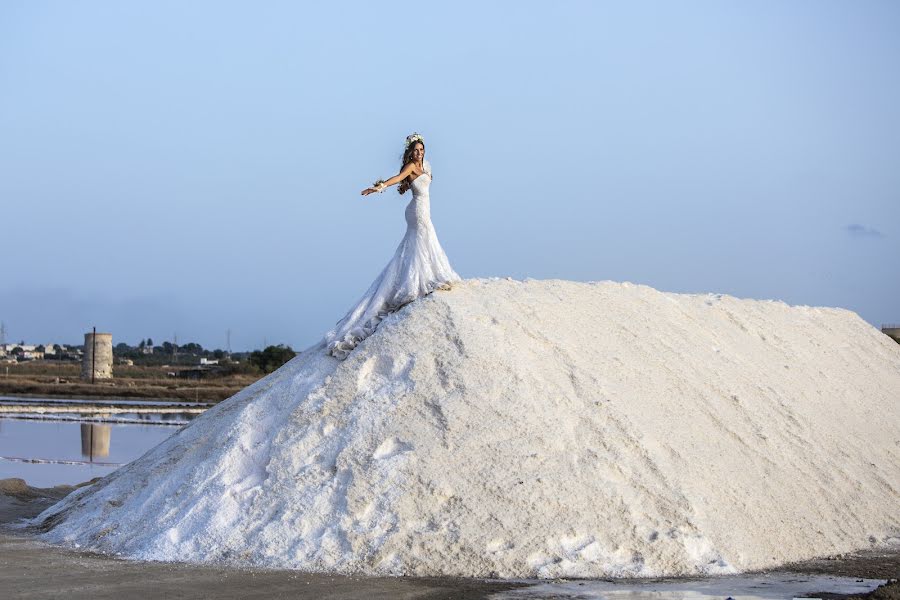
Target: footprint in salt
390, 447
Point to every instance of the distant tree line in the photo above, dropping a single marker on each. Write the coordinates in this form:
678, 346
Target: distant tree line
271, 358
167, 353
145, 353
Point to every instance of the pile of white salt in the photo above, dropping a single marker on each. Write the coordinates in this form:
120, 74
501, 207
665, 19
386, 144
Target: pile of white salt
537, 428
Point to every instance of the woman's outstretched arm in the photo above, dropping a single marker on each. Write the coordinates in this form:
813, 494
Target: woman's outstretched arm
403, 174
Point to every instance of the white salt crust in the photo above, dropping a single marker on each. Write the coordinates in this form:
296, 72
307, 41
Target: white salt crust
533, 429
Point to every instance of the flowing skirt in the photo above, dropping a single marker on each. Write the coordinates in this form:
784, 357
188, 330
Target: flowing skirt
419, 266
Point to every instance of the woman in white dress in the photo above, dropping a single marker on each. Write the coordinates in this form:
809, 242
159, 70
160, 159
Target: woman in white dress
419, 265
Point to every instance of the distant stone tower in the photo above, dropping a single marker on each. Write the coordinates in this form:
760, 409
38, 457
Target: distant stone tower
98, 355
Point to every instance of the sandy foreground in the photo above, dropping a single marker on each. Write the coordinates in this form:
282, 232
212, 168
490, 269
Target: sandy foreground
31, 569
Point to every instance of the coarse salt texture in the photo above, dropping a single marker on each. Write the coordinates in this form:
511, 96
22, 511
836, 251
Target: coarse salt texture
533, 429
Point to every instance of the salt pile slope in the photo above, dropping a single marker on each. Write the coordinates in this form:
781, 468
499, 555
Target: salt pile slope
538, 428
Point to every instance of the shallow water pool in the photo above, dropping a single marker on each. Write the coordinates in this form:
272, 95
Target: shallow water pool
771, 586
51, 449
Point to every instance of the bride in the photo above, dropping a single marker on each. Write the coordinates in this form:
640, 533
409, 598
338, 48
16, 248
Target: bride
419, 265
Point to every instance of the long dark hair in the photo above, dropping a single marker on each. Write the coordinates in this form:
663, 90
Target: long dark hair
407, 158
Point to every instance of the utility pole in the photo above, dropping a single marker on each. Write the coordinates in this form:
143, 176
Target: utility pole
174, 347
228, 343
93, 358
2, 333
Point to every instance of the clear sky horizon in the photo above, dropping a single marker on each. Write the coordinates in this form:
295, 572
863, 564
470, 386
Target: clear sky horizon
195, 167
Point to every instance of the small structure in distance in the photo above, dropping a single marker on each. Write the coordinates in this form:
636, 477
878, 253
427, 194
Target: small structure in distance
97, 360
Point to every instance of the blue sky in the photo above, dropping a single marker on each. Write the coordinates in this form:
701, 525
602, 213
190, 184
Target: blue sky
194, 167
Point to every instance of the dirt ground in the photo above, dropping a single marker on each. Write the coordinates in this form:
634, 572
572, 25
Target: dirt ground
56, 379
30, 569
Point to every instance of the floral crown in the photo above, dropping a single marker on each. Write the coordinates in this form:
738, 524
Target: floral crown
413, 138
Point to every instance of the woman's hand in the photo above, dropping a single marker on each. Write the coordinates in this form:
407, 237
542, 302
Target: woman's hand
380, 185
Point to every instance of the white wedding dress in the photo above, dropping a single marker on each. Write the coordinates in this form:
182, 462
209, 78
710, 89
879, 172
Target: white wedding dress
419, 266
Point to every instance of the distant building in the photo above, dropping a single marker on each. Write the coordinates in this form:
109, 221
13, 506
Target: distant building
206, 361
97, 359
8, 348
38, 352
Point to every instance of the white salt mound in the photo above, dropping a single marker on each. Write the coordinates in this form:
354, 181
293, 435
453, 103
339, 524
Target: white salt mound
538, 428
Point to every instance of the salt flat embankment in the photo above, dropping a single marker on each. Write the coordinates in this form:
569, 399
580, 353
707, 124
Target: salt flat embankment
538, 428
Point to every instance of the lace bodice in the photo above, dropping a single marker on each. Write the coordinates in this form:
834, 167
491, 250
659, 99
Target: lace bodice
422, 183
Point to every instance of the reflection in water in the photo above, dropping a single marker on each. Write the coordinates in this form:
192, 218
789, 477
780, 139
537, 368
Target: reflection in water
95, 437
95, 440
39, 445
